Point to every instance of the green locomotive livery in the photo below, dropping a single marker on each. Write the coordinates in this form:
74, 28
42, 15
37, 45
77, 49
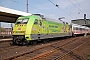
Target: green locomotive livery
29, 29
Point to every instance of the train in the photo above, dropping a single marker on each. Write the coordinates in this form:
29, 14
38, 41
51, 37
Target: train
33, 28
80, 30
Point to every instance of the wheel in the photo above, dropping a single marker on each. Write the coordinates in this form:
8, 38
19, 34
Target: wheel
14, 41
24, 43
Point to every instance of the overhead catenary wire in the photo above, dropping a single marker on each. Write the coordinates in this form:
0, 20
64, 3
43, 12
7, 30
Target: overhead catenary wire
60, 8
64, 6
76, 6
52, 2
46, 11
79, 5
39, 9
42, 4
28, 5
25, 4
20, 3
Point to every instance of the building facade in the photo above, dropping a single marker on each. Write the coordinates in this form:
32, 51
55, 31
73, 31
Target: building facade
7, 31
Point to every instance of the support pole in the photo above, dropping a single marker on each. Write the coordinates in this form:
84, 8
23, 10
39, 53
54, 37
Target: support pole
85, 18
27, 6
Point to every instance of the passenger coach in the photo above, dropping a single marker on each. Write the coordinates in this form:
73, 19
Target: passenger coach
78, 29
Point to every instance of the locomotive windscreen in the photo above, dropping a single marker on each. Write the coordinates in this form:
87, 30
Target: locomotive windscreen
22, 21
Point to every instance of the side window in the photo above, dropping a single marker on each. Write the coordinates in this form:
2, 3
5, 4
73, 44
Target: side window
40, 23
74, 28
36, 21
81, 29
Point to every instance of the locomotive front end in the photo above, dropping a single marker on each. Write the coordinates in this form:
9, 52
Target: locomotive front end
18, 32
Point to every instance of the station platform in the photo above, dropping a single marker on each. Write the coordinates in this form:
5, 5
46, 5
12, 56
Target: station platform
5, 39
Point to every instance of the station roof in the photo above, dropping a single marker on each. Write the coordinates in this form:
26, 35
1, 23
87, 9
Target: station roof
10, 15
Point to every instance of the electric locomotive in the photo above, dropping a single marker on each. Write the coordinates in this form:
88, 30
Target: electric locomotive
33, 28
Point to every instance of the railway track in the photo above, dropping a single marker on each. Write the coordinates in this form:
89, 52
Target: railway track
71, 52
60, 52
43, 51
5, 44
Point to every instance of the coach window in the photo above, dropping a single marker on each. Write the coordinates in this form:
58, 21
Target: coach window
76, 28
83, 29
36, 21
80, 28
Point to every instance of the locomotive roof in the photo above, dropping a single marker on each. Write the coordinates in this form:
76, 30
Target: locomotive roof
49, 19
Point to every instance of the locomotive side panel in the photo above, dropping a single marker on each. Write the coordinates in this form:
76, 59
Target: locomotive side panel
39, 29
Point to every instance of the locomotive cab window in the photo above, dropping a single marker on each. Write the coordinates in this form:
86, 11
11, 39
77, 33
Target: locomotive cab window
22, 21
18, 21
36, 21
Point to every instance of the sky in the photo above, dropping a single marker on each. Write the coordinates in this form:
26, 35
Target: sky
70, 9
